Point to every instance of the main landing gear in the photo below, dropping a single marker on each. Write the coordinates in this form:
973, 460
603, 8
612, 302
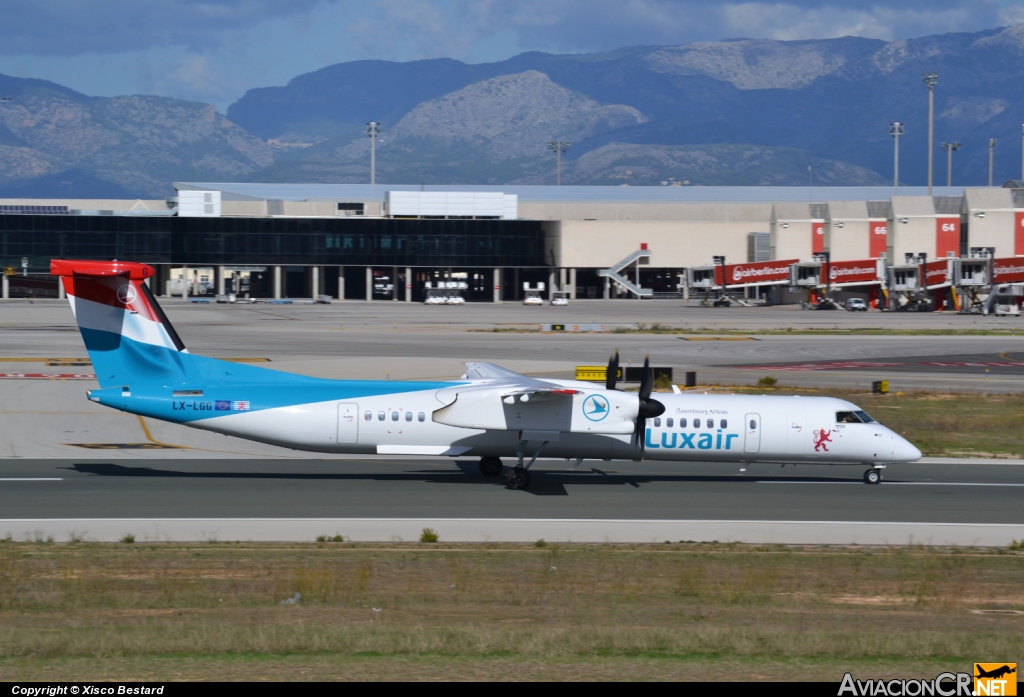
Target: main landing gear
491, 466
515, 478
872, 476
518, 478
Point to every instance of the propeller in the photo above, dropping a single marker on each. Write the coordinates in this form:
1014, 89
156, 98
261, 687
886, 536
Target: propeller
649, 408
613, 372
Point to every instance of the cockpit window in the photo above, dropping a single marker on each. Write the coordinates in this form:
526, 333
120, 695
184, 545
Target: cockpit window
864, 417
846, 417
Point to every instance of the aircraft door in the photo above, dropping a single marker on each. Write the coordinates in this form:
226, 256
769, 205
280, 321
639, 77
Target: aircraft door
348, 422
752, 441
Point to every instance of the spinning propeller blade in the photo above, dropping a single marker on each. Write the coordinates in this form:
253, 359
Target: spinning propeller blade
649, 408
613, 372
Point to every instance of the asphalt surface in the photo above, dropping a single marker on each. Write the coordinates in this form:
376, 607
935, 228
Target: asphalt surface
946, 492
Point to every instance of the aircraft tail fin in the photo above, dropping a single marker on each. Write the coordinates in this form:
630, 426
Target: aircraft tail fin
128, 336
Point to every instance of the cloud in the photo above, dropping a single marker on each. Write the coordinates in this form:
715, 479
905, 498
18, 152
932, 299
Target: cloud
70, 27
409, 30
190, 75
216, 49
592, 25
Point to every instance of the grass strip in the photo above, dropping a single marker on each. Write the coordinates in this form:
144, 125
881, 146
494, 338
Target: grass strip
672, 611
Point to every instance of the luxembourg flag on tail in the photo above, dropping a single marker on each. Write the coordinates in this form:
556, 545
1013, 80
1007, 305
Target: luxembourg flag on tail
126, 333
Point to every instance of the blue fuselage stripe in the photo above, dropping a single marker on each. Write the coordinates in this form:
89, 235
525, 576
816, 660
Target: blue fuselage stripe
121, 362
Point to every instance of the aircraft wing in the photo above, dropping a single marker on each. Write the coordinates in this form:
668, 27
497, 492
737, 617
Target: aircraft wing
488, 371
508, 401
520, 387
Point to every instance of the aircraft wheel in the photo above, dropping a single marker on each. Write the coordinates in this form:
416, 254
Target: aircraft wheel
872, 476
491, 466
518, 478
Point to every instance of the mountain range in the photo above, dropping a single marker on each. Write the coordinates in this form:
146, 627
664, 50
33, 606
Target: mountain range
743, 112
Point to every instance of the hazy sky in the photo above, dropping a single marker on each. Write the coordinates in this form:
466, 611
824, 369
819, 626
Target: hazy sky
214, 50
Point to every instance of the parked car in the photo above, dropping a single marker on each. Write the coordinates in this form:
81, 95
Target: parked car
856, 305
533, 300
559, 301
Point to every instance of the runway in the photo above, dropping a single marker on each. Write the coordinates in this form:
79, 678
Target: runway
934, 502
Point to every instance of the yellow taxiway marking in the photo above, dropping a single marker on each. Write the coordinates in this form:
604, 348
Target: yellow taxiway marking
154, 441
42, 360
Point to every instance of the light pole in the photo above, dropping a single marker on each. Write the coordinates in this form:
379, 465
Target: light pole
991, 153
373, 131
559, 147
949, 148
896, 130
931, 79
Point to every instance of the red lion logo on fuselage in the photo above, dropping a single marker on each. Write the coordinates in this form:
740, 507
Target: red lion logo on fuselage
820, 438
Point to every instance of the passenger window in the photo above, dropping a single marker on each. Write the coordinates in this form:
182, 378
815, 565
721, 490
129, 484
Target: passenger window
669, 422
408, 416
696, 423
368, 415
682, 423
422, 417
711, 423
846, 417
394, 416
864, 417
380, 416
724, 423
753, 425
657, 421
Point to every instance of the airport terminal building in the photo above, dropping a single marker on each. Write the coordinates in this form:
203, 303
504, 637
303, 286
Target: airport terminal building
389, 242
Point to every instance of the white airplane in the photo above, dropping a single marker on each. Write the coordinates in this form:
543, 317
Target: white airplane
143, 368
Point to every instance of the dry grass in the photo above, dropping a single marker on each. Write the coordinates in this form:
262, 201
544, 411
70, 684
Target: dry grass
602, 612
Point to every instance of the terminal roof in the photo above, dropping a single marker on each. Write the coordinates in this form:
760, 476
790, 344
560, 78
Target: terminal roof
621, 194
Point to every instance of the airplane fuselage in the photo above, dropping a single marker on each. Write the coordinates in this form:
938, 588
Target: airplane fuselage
355, 417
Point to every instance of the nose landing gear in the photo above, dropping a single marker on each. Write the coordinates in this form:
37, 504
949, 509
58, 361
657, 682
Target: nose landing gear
872, 476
